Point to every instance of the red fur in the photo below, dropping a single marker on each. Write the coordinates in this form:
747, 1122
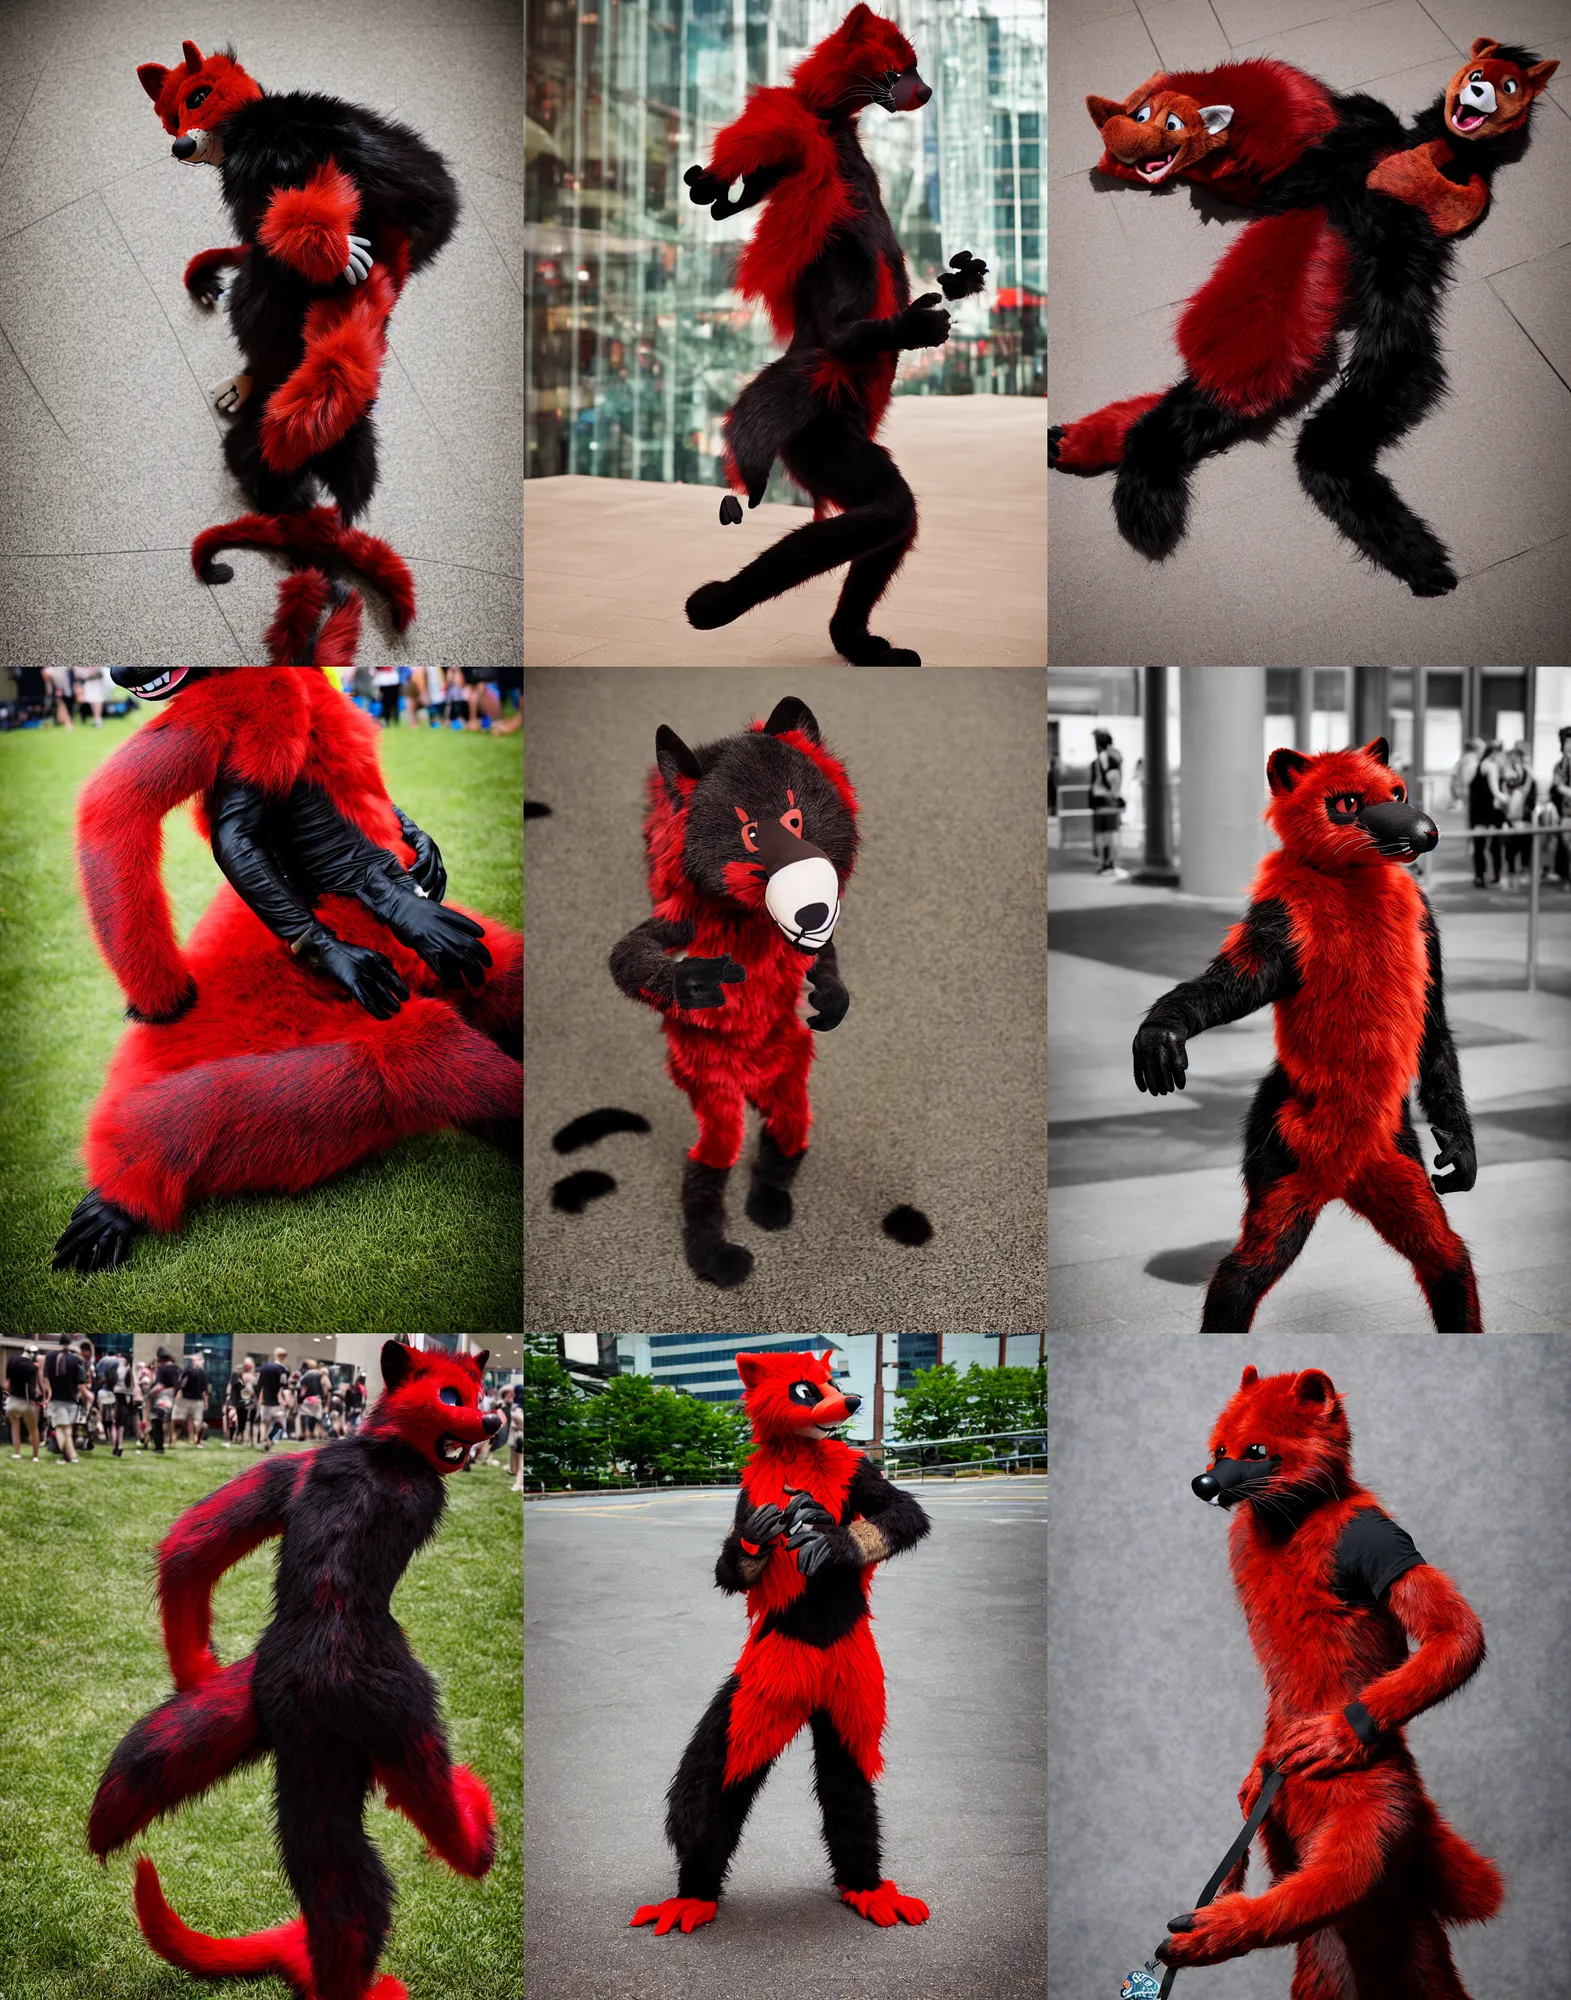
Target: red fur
337, 381
755, 1049
1278, 113
215, 260
228, 85
308, 227
278, 1953
274, 1079
318, 535
1096, 442
206, 1540
1263, 320
1356, 1845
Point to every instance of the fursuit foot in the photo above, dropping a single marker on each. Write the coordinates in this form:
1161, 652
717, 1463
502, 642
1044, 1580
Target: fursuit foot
227, 397
709, 1255
684, 1913
97, 1238
885, 1905
866, 649
713, 604
769, 1197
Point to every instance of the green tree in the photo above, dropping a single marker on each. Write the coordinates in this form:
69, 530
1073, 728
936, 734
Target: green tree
559, 1444
941, 1403
654, 1434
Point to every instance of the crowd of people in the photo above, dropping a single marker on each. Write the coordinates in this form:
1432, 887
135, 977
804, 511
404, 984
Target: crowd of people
480, 698
68, 1400
1502, 798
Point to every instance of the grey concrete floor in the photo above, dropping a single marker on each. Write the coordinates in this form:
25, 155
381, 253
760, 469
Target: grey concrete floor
626, 1640
1145, 1195
928, 1092
1155, 1698
109, 451
610, 562
1261, 575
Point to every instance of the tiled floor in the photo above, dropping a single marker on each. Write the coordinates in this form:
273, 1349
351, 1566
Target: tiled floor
1261, 575
109, 452
611, 561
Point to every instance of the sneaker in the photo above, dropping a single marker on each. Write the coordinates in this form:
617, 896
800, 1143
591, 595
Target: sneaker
1119, 874
16, 1454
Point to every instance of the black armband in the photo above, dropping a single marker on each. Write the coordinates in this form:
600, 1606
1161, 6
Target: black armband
1362, 1724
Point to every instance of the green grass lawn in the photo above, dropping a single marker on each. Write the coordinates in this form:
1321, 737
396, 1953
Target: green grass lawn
81, 1660
426, 1239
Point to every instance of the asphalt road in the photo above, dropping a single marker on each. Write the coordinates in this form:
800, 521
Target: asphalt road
626, 1638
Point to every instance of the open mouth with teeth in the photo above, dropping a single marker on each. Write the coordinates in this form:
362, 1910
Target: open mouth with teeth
1157, 169
1467, 121
161, 685
451, 1450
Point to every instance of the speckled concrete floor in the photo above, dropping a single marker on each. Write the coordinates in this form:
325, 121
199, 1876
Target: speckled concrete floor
109, 451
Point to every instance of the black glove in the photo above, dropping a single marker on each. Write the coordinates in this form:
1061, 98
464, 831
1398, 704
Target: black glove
366, 974
764, 1525
924, 323
709, 191
427, 871
97, 1238
1161, 1059
448, 941
696, 982
829, 997
1456, 1152
965, 280
814, 1538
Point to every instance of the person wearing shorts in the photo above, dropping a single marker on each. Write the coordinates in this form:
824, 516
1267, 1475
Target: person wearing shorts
23, 1385
191, 1403
515, 1436
270, 1380
165, 1388
310, 1402
63, 1376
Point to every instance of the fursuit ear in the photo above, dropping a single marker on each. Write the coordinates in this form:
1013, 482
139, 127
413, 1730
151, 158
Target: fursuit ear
675, 762
481, 1359
856, 20
193, 56
1101, 109
1540, 74
1313, 1388
151, 76
1483, 46
1380, 750
791, 712
751, 1369
1216, 117
1250, 1377
1284, 768
397, 1363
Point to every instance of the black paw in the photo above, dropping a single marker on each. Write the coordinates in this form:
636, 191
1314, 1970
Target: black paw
867, 649
216, 572
712, 604
1152, 510
722, 1264
1431, 576
207, 290
97, 1238
730, 510
1054, 435
967, 277
769, 1207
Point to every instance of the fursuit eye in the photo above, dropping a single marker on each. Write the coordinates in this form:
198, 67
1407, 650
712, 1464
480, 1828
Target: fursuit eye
449, 1395
1400, 795
1142, 114
198, 97
1174, 122
1509, 87
1221, 1453
749, 830
1477, 76
1256, 1451
792, 821
804, 1393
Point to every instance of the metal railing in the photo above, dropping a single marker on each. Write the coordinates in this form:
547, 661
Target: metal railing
1028, 1454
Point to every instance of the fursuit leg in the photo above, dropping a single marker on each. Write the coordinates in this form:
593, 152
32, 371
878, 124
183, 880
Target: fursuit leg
1096, 443
848, 1756
720, 1109
782, 1144
1395, 1195
1280, 1211
447, 1802
866, 581
345, 1891
176, 1752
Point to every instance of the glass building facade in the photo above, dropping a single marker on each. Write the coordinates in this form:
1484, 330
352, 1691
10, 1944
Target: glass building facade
636, 345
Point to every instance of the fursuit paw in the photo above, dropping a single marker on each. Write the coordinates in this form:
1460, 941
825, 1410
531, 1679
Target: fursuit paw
1055, 438
1152, 508
1321, 1746
713, 604
207, 288
1428, 573
885, 1905
97, 1238
967, 277
768, 1206
924, 323
723, 1264
227, 397
867, 649
730, 511
359, 266
1209, 1936
676, 1912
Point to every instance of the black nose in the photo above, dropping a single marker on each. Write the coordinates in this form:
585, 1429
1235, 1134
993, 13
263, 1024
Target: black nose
1205, 1488
491, 1424
923, 94
853, 1403
809, 918
183, 148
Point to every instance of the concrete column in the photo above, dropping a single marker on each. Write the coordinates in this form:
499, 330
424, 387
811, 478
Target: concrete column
1304, 710
1222, 733
1159, 815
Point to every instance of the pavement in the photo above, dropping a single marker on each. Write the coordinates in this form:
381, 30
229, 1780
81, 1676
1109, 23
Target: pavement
929, 1093
626, 1640
1261, 575
611, 562
109, 449
1146, 1196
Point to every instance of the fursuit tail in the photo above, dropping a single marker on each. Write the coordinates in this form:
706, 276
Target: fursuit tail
279, 1953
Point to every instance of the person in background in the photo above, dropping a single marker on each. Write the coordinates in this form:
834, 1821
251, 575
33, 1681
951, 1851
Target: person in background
165, 1388
87, 1409
1052, 786
335, 1408
1462, 771
310, 1401
24, 1383
387, 693
1560, 799
191, 1403
1106, 805
1519, 790
515, 1438
1486, 808
114, 1376
234, 1408
92, 687
59, 679
142, 1402
63, 1378
354, 1403
270, 1380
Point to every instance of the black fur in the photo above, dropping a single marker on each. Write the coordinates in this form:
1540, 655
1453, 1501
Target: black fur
709, 1255
705, 1815
769, 1196
907, 1225
276, 142
571, 1195
849, 1809
1439, 1073
1222, 993
596, 1125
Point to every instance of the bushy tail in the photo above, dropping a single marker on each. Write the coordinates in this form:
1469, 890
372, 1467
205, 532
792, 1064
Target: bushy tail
294, 637
316, 536
280, 1952
775, 404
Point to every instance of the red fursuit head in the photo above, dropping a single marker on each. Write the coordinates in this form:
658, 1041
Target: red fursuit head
1366, 1874
245, 1071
